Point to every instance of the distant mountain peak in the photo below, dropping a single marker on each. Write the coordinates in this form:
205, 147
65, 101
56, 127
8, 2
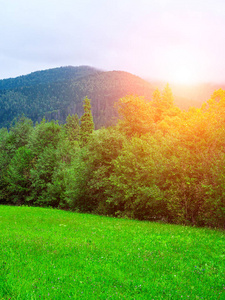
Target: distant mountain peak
47, 76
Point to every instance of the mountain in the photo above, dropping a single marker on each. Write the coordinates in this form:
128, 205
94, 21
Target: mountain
47, 76
55, 93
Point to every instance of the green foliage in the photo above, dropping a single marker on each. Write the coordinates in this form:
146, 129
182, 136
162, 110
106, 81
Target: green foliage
136, 115
19, 133
87, 176
76, 178
10, 143
56, 189
45, 134
44, 144
87, 124
41, 175
18, 176
157, 163
134, 189
72, 127
4, 161
102, 150
213, 211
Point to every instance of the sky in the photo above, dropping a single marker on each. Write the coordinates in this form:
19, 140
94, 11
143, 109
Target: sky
179, 41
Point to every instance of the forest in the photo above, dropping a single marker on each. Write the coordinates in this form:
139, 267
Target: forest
157, 163
56, 93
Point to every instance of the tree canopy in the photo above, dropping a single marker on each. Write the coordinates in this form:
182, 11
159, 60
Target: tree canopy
157, 163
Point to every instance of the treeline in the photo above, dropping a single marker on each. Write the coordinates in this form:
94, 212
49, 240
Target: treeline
157, 163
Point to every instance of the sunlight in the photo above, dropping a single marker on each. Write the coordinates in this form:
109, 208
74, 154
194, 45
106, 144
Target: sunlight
183, 75
182, 67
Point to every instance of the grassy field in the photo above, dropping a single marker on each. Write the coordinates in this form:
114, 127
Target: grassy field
52, 254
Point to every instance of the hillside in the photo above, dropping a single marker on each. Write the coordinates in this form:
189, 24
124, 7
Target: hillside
55, 93
47, 76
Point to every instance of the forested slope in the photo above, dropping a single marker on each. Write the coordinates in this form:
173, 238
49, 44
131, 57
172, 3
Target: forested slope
157, 163
56, 93
47, 76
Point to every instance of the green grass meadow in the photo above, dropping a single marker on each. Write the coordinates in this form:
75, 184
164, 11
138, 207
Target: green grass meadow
53, 254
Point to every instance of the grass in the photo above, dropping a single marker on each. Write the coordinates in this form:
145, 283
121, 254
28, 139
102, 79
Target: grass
53, 254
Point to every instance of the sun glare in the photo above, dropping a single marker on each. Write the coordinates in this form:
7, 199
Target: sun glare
183, 75
181, 67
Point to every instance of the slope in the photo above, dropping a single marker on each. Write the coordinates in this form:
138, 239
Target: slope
54, 96
47, 76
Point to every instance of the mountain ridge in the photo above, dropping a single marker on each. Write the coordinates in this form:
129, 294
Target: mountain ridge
34, 78
54, 98
56, 93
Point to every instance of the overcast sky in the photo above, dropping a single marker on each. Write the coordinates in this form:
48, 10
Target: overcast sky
170, 40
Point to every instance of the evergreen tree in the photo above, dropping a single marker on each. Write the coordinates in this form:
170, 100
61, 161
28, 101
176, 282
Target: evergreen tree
72, 127
167, 97
156, 103
87, 124
19, 134
163, 104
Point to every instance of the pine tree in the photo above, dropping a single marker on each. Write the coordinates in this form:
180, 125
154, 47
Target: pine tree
167, 97
157, 105
72, 127
162, 103
87, 124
